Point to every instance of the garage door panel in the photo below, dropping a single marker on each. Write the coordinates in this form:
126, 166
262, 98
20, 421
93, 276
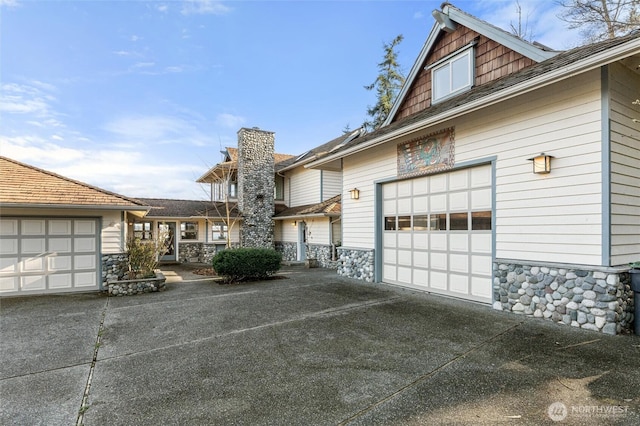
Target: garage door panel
60, 227
84, 262
438, 241
389, 207
8, 246
390, 256
459, 201
420, 186
404, 188
439, 261
60, 281
438, 183
420, 241
9, 284
404, 240
59, 263
438, 280
481, 199
404, 206
480, 288
389, 273
420, 277
481, 265
33, 227
60, 245
481, 243
421, 259
458, 180
459, 242
420, 204
481, 176
32, 264
33, 246
85, 279
33, 282
404, 257
459, 283
85, 227
438, 203
8, 265
84, 244
459, 263
404, 275
389, 239
8, 227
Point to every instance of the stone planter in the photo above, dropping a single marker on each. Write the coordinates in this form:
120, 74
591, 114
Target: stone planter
134, 287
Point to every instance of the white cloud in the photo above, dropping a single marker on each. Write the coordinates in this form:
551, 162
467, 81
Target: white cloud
162, 8
10, 3
135, 38
158, 129
229, 120
418, 15
26, 98
204, 7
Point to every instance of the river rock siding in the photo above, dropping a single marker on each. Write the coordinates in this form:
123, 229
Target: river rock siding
256, 187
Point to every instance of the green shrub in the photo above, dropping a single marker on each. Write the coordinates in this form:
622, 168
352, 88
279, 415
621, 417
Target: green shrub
246, 263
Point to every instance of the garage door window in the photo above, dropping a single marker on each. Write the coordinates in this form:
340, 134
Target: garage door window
481, 221
458, 222
390, 223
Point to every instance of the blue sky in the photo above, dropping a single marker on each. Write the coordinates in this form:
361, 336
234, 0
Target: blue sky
138, 97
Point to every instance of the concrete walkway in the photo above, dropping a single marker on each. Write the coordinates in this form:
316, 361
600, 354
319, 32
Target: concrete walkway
309, 349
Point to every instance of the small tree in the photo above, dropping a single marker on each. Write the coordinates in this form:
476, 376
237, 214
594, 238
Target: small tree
387, 85
143, 256
601, 19
225, 210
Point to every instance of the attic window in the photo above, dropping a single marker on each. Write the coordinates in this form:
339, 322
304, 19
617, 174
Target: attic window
452, 75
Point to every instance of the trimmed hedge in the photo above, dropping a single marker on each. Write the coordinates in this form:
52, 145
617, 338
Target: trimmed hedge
246, 263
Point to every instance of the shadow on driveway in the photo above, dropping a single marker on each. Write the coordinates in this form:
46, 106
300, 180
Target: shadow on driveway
311, 348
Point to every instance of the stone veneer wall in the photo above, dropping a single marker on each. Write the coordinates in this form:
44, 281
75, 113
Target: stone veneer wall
114, 266
199, 252
599, 299
256, 187
289, 251
321, 252
356, 263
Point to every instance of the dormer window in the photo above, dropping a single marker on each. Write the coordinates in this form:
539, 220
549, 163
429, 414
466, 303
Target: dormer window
453, 74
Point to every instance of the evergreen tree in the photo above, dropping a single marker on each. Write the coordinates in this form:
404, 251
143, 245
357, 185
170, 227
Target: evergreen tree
387, 85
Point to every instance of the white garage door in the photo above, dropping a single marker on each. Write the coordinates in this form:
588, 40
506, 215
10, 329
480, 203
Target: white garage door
437, 233
48, 255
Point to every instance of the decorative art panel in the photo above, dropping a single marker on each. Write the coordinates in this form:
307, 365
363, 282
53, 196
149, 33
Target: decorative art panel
427, 154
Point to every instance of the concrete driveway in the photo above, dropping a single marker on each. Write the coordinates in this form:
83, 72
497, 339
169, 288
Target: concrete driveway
309, 349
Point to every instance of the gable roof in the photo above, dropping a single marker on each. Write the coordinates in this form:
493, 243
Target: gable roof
446, 21
231, 163
187, 209
22, 185
558, 68
328, 208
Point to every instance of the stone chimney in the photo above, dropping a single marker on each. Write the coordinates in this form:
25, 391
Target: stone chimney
255, 187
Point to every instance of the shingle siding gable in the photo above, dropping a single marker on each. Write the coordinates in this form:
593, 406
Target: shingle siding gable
492, 61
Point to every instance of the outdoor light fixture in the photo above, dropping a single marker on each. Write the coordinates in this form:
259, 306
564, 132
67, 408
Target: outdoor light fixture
355, 193
294, 223
541, 163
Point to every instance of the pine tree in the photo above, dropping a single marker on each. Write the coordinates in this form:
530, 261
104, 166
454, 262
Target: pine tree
387, 85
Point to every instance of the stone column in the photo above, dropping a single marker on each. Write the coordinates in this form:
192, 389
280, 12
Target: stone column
256, 186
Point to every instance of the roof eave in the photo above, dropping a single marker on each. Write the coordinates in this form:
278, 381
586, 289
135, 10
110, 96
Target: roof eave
75, 206
595, 61
304, 216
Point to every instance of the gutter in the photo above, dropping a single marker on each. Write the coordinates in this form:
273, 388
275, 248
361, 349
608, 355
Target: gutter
304, 216
75, 206
603, 58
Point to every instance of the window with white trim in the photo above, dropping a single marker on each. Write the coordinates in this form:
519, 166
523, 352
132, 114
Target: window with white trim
188, 230
452, 75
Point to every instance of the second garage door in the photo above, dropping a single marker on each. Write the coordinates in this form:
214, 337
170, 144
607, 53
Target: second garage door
437, 233
48, 255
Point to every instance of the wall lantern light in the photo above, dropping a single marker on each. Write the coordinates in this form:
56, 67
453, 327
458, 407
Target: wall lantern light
541, 163
355, 193
294, 223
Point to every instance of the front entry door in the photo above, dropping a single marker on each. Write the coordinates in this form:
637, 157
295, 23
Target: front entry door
302, 241
168, 229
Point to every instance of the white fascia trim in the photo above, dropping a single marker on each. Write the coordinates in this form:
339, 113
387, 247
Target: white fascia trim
502, 37
144, 209
603, 58
306, 216
415, 70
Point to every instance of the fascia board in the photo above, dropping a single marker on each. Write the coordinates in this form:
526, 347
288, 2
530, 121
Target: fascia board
413, 74
606, 57
306, 216
144, 209
502, 37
